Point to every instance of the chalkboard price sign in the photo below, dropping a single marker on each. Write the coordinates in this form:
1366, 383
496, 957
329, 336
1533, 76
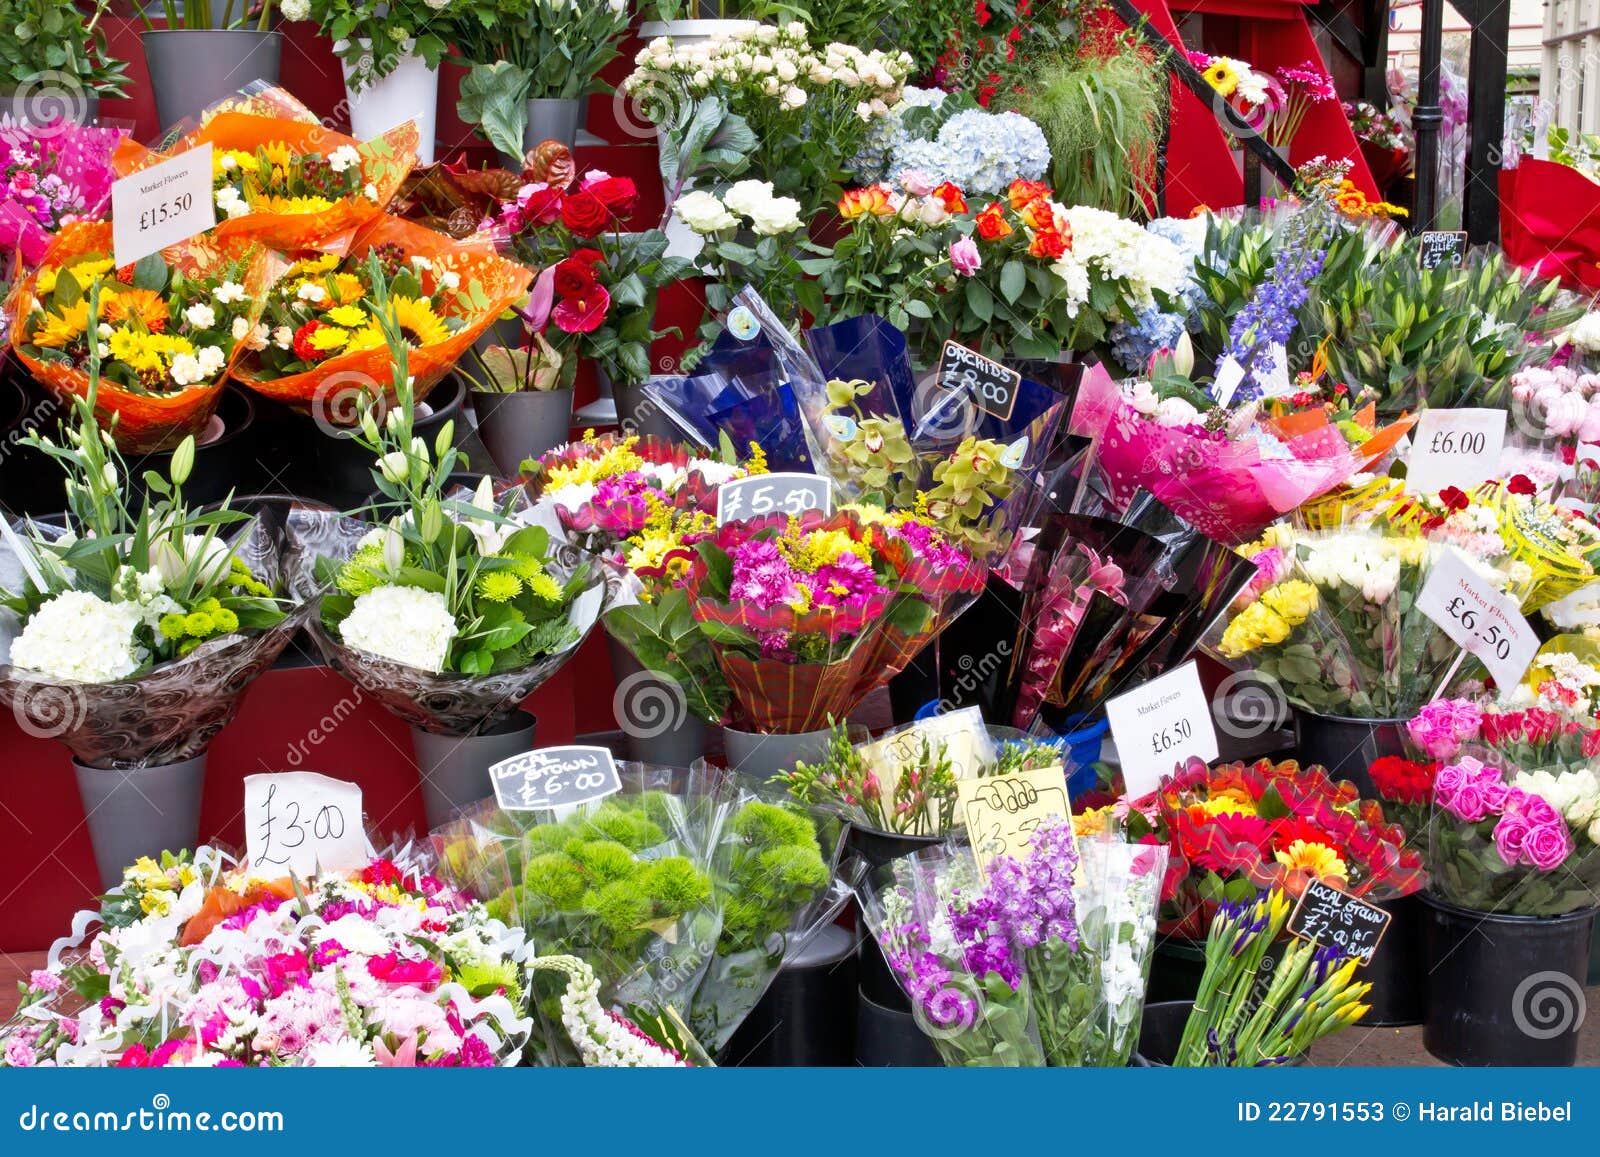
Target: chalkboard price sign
992, 385
1441, 247
554, 777
1327, 916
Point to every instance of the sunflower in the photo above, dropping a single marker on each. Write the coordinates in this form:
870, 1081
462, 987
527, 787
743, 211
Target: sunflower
148, 307
281, 158
416, 318
59, 330
1318, 861
1220, 76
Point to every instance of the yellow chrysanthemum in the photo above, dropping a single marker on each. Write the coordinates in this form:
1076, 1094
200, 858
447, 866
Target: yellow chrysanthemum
619, 459
1226, 804
544, 587
1316, 860
328, 338
87, 271
311, 266
1220, 76
59, 330
369, 338
46, 282
349, 316
293, 205
229, 161
416, 318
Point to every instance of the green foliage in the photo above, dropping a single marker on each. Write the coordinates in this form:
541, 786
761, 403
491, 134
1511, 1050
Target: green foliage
378, 34
1103, 116
48, 36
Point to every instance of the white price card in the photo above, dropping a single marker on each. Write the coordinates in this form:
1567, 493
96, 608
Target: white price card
301, 822
1230, 375
1276, 383
162, 205
555, 777
1479, 618
791, 494
1159, 726
1459, 448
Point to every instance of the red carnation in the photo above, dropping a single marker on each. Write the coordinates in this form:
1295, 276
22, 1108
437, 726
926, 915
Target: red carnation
573, 278
584, 214
302, 342
1521, 484
1403, 780
1454, 498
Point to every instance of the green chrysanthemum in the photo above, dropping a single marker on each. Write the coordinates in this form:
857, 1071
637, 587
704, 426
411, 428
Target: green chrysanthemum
499, 586
172, 626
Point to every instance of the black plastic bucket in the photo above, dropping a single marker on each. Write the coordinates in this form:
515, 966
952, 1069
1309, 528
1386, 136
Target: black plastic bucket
878, 848
1396, 971
1175, 969
1504, 990
889, 1038
1347, 747
807, 1018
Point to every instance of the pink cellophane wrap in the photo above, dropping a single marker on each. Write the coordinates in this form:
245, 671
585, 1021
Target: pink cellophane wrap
79, 155
1227, 489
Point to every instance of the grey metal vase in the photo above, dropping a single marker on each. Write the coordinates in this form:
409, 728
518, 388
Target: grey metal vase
553, 120
637, 414
142, 812
455, 768
522, 425
191, 69
653, 714
763, 756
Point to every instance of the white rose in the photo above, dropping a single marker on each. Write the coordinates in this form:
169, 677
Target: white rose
793, 97
745, 196
703, 212
778, 215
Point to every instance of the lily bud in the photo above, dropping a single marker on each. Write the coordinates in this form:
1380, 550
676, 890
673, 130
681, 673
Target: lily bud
432, 522
394, 466
369, 426
1183, 355
394, 551
447, 435
182, 461
169, 562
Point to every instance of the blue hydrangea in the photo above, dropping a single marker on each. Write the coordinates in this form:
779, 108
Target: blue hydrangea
1189, 236
982, 152
886, 134
1132, 343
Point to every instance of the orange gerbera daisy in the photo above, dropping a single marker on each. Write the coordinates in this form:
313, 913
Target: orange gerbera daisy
149, 307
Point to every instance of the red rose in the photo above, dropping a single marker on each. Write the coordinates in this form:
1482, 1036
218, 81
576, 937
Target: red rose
573, 278
538, 204
588, 256
1048, 243
1521, 484
584, 214
616, 193
992, 223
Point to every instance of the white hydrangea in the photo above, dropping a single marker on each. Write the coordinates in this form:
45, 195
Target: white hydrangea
80, 636
703, 212
407, 624
296, 10
1585, 333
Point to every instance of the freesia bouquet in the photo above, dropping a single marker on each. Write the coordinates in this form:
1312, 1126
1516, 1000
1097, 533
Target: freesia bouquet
284, 180
1235, 828
206, 964
966, 979
595, 298
328, 352
137, 628
447, 609
164, 336
1310, 991
50, 176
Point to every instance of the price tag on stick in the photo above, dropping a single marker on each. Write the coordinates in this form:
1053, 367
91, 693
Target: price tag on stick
301, 822
554, 777
1159, 726
1479, 618
1328, 916
162, 205
791, 494
1459, 448
992, 386
1001, 811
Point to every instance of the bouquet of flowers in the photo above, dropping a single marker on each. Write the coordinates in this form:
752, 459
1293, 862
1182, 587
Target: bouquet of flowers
595, 298
1310, 992
1255, 95
807, 615
1521, 844
1380, 128
202, 963
1235, 828
51, 176
137, 629
1297, 88
1117, 892
448, 610
966, 980
164, 336
284, 180
327, 350
1212, 466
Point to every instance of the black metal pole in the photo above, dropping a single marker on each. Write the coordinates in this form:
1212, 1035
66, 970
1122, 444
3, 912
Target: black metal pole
1486, 120
1428, 116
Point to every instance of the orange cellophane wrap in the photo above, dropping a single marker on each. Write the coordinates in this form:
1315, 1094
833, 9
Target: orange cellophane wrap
146, 423
503, 283
1303, 422
385, 161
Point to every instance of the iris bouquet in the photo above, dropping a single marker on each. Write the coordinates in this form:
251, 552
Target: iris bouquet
164, 335
448, 610
201, 963
967, 984
137, 628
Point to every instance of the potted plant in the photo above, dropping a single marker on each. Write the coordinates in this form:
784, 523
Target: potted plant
390, 51
522, 405
697, 21
208, 50
533, 67
53, 62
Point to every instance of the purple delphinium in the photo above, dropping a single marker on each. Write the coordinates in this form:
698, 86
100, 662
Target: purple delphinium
1269, 317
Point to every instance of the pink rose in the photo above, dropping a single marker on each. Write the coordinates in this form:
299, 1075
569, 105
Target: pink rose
964, 257
1496, 793
917, 183
1547, 846
1510, 836
1540, 812
1451, 779
1471, 803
